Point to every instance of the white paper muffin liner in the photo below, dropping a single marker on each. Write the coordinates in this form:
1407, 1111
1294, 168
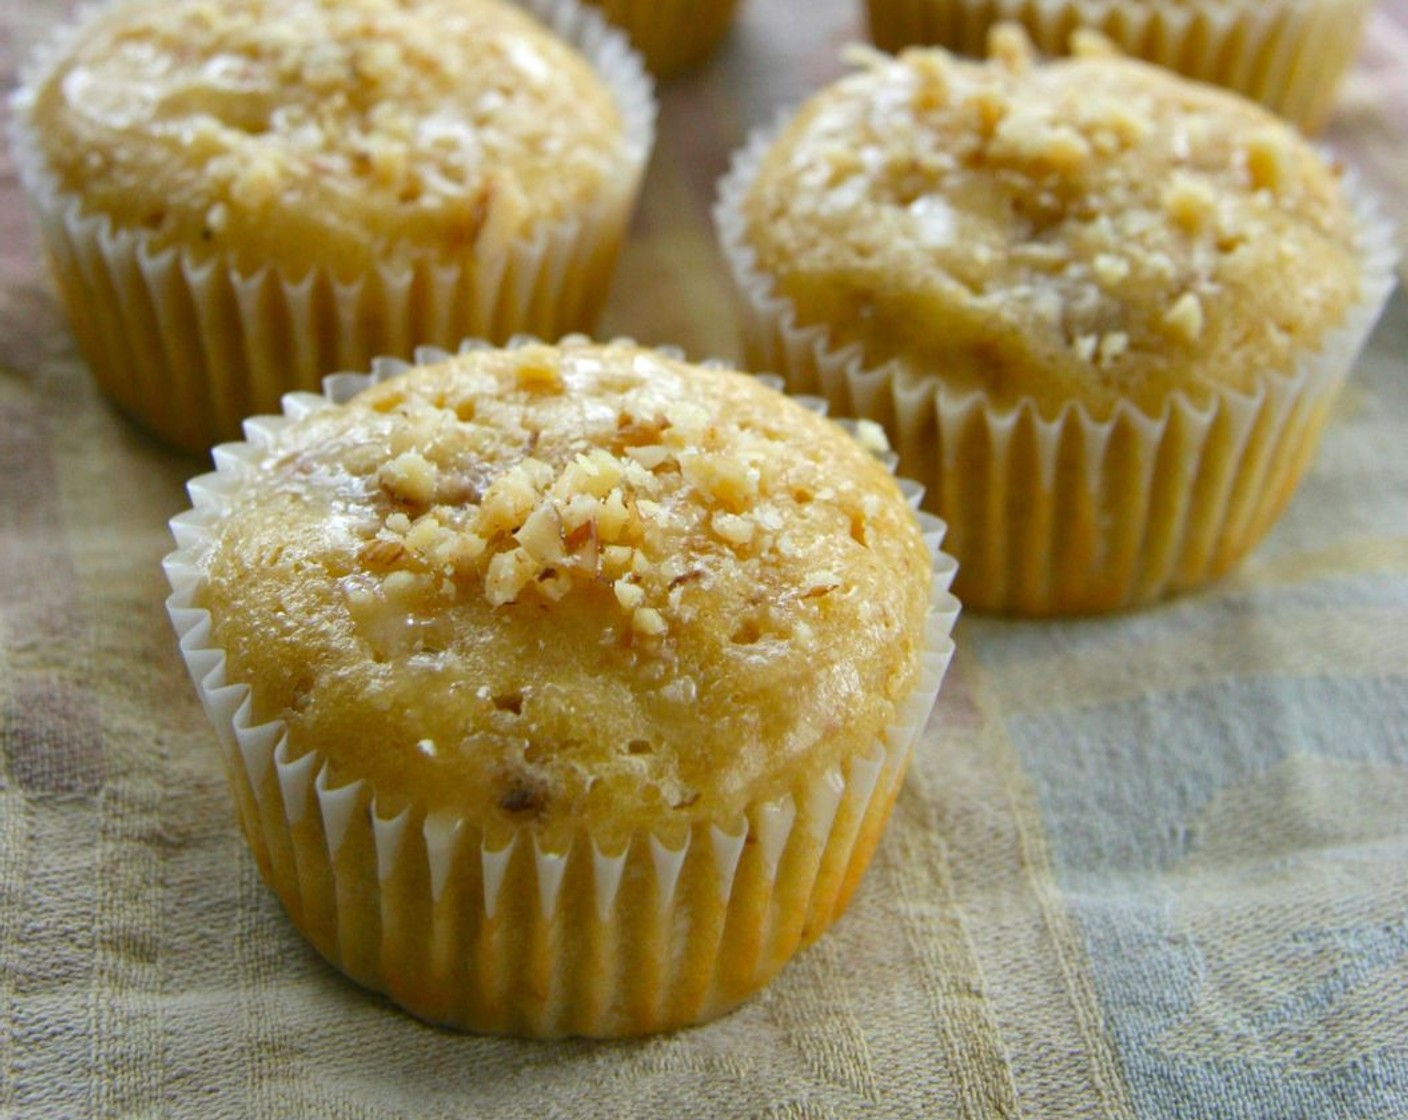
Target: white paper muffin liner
495, 933
1287, 54
1072, 514
189, 345
672, 34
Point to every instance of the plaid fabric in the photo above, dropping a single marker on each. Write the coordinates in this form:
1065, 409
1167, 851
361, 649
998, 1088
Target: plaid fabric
1151, 866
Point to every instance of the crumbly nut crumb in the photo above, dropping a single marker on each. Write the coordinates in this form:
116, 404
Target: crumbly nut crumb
1027, 135
402, 585
508, 573
539, 377
1185, 317
1087, 43
1268, 156
1112, 345
726, 479
630, 595
1110, 269
872, 437
410, 477
1189, 202
381, 554
649, 622
1009, 45
732, 528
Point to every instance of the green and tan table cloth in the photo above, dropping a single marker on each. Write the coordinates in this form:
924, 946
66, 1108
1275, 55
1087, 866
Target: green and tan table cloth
1152, 866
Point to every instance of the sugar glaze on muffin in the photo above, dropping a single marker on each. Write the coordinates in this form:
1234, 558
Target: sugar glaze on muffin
580, 587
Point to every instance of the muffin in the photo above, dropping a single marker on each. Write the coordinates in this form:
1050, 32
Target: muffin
673, 35
1102, 311
563, 690
1287, 54
241, 196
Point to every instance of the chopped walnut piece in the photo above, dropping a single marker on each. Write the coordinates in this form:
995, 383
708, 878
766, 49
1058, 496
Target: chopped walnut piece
1029, 136
539, 377
507, 575
426, 534
1110, 270
1086, 43
613, 516
596, 473
629, 595
1268, 155
409, 477
1185, 317
648, 621
725, 479
402, 585
872, 437
1010, 46
732, 528
1189, 202
511, 497
541, 535
650, 455
381, 554
1112, 346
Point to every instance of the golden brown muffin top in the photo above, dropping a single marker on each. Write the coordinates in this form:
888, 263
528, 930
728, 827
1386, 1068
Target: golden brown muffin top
1090, 229
579, 586
331, 132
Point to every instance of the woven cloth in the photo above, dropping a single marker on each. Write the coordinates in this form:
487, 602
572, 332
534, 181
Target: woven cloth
1150, 866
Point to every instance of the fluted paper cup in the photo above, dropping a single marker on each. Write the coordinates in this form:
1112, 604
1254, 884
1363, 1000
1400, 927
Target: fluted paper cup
1073, 514
673, 35
492, 930
1287, 54
188, 344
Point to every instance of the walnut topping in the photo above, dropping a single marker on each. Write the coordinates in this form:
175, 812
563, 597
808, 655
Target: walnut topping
871, 436
1009, 45
1027, 135
610, 511
629, 595
1189, 202
256, 183
1112, 346
539, 377
1086, 43
1110, 269
1185, 317
409, 477
1268, 155
381, 553
732, 528
508, 573
648, 621
727, 480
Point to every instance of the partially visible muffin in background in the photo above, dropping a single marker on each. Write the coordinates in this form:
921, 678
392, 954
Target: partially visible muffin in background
1289, 55
1102, 310
241, 196
673, 35
581, 679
